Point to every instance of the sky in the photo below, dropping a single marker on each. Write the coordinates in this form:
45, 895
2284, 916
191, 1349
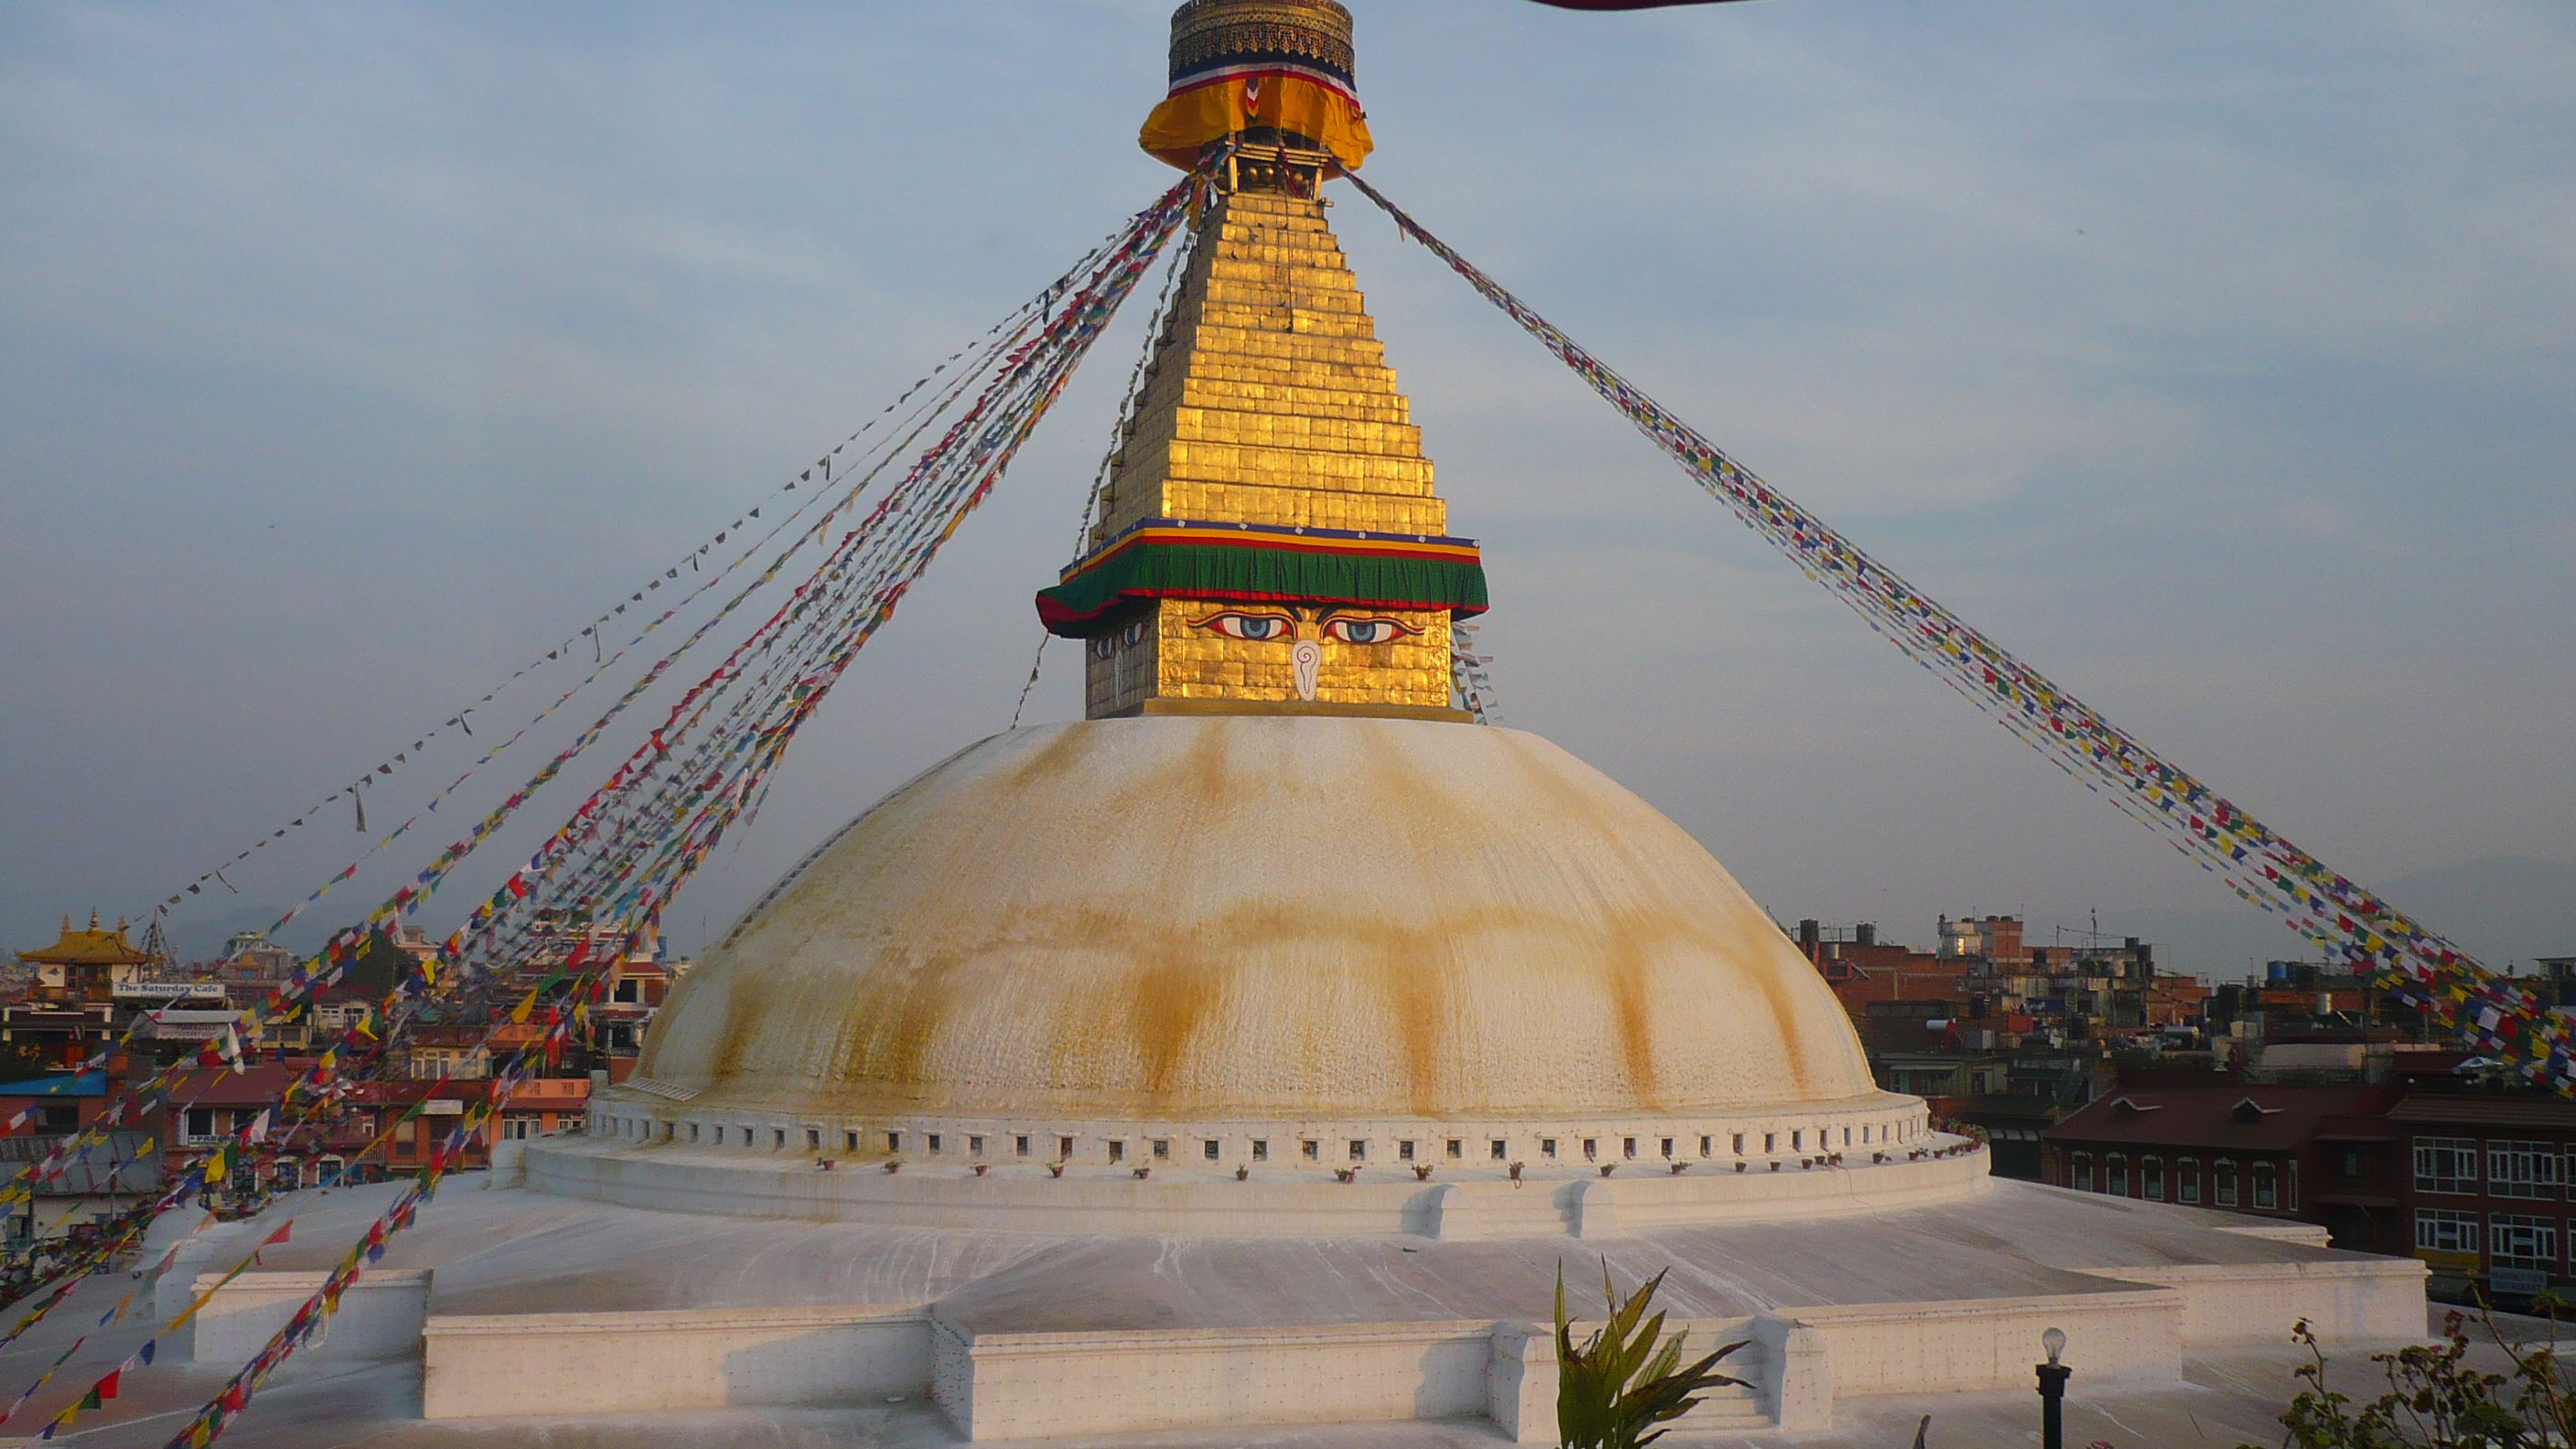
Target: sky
2218, 359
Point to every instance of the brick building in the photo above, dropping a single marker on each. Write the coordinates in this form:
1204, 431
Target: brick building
2485, 1186
2321, 1154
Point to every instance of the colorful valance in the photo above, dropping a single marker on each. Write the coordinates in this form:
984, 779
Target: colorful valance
1256, 563
1292, 93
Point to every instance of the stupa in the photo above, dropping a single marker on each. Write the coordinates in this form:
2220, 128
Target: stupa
1255, 1051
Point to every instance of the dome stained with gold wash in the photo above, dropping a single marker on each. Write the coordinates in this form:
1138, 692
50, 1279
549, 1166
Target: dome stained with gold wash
1237, 918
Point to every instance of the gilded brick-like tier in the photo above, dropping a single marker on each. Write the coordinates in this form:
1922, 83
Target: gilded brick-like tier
1269, 402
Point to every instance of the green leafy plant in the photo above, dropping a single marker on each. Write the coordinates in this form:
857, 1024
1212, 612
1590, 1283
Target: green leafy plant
2436, 1400
1627, 1377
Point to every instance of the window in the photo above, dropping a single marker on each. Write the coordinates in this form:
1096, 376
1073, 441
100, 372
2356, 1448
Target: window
814, 1137
1770, 1141
2522, 1242
2151, 1179
1704, 1144
201, 1123
1457, 1149
1502, 1149
974, 1146
1591, 1149
2353, 1163
933, 1141
693, 1132
778, 1137
850, 1140
1797, 1141
1261, 1149
1117, 1151
1359, 1150
1404, 1150
1211, 1149
2083, 1181
747, 1138
2446, 1164
1738, 1139
2267, 1184
2116, 1171
1311, 1150
2223, 1186
1547, 1148
1847, 1137
2441, 1230
1064, 1149
1864, 1134
1162, 1149
1668, 1148
1019, 1146
2524, 1169
894, 1142
1628, 1148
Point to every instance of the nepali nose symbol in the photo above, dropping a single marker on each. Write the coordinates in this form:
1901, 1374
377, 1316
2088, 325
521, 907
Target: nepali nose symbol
1307, 659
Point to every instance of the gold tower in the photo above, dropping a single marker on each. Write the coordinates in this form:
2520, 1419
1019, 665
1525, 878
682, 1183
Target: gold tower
1268, 540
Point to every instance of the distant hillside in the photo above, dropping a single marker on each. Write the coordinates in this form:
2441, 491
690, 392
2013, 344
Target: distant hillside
2504, 910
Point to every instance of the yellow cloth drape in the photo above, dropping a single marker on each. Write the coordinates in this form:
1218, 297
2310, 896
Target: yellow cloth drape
1187, 121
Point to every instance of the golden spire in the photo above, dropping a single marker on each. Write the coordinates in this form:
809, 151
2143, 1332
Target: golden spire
1268, 540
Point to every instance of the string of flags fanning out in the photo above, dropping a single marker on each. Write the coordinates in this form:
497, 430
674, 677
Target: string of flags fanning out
2331, 911
704, 573
1003, 366
703, 768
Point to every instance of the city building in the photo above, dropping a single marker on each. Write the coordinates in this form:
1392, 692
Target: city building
2485, 1169
2318, 1154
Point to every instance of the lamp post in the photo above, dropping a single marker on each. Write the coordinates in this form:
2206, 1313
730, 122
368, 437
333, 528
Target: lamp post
2052, 1391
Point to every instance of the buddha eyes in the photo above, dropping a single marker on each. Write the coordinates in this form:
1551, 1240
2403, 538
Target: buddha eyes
1366, 631
1106, 646
1256, 627
1262, 628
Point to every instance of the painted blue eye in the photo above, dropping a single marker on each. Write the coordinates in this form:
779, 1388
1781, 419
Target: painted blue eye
1255, 627
1366, 631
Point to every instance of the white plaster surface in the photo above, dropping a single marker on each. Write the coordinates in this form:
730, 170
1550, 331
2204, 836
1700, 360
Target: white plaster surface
380, 1315
1283, 1200
550, 1319
1180, 920
479, 1366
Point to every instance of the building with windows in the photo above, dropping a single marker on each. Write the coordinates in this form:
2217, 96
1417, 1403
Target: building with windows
2323, 1155
2485, 1189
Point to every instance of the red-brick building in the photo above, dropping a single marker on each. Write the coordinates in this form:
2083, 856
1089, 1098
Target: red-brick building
2321, 1154
2485, 1187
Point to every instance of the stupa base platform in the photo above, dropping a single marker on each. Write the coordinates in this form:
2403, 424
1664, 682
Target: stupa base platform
552, 1321
1451, 1202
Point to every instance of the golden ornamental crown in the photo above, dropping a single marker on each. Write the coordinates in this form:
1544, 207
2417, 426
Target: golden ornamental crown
1212, 30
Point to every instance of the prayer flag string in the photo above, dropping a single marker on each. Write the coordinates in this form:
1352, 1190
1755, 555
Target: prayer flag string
2255, 862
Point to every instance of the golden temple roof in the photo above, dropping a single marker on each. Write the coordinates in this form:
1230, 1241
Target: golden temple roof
93, 947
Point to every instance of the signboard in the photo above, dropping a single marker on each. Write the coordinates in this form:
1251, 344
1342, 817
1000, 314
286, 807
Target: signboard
2465, 1264
2524, 1281
442, 1107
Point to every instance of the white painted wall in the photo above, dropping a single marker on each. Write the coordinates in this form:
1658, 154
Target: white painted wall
380, 1316
577, 1363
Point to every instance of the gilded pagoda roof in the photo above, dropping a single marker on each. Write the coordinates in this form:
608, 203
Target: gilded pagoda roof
96, 946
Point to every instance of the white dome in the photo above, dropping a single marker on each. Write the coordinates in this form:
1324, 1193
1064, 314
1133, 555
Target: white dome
1252, 918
